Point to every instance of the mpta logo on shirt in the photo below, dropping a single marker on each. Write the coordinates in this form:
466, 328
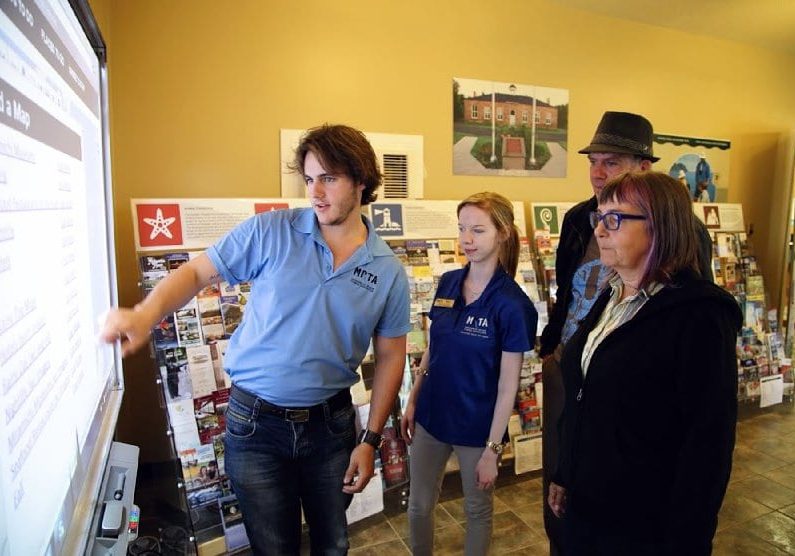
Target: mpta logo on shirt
387, 219
476, 326
364, 279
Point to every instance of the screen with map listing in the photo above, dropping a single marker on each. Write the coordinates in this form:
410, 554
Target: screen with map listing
60, 388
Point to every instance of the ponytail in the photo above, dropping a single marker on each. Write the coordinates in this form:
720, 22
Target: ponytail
509, 252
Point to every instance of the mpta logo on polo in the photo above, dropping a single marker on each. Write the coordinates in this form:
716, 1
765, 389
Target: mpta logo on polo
364, 279
476, 326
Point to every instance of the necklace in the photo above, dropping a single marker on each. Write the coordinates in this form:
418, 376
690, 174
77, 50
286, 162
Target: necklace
472, 291
628, 290
630, 286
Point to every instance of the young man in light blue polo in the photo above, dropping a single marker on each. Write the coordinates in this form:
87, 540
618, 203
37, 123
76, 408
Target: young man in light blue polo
323, 285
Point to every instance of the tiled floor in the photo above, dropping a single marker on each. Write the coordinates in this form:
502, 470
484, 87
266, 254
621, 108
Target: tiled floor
518, 525
757, 518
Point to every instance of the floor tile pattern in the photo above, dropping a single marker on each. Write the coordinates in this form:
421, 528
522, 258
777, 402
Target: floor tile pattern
757, 517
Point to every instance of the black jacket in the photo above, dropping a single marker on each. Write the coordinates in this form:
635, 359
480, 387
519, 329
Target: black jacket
575, 233
647, 437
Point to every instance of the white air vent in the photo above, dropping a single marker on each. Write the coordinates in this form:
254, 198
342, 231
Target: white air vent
400, 158
395, 168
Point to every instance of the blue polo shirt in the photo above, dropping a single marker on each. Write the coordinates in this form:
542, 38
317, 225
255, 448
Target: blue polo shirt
306, 327
457, 398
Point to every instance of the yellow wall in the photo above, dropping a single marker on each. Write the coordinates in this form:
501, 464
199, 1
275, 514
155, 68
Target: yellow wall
200, 89
101, 11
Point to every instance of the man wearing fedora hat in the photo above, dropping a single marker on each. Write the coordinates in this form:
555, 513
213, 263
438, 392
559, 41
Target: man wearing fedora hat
622, 143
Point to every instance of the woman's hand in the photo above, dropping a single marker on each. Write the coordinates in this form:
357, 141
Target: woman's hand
486, 469
557, 499
407, 423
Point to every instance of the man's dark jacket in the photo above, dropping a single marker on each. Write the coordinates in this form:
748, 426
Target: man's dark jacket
575, 233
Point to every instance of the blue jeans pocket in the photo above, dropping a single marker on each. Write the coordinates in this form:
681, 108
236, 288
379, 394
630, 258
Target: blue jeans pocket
240, 420
342, 422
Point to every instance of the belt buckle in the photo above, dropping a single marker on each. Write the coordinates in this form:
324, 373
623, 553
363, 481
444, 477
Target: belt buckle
296, 415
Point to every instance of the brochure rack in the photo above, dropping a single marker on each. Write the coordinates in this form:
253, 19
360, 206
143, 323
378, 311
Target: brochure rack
764, 374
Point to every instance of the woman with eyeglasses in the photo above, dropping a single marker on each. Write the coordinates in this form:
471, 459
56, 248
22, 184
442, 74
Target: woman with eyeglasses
647, 431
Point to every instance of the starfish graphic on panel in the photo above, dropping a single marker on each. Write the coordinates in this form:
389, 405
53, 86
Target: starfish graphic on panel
160, 225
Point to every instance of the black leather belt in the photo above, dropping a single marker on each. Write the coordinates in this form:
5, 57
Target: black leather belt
340, 400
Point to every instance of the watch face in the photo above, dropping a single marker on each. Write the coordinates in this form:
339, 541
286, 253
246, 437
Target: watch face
372, 438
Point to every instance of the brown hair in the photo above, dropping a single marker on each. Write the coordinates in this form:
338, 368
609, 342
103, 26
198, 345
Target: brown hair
500, 210
344, 150
669, 221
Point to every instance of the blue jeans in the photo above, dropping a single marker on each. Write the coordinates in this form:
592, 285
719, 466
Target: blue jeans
277, 466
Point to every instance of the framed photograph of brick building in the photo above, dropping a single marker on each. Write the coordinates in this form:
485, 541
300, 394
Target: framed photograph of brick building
509, 129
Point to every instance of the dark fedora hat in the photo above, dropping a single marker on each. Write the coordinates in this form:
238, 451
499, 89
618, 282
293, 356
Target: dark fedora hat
622, 132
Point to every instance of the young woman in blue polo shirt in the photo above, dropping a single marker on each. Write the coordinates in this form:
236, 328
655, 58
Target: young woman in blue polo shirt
464, 393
